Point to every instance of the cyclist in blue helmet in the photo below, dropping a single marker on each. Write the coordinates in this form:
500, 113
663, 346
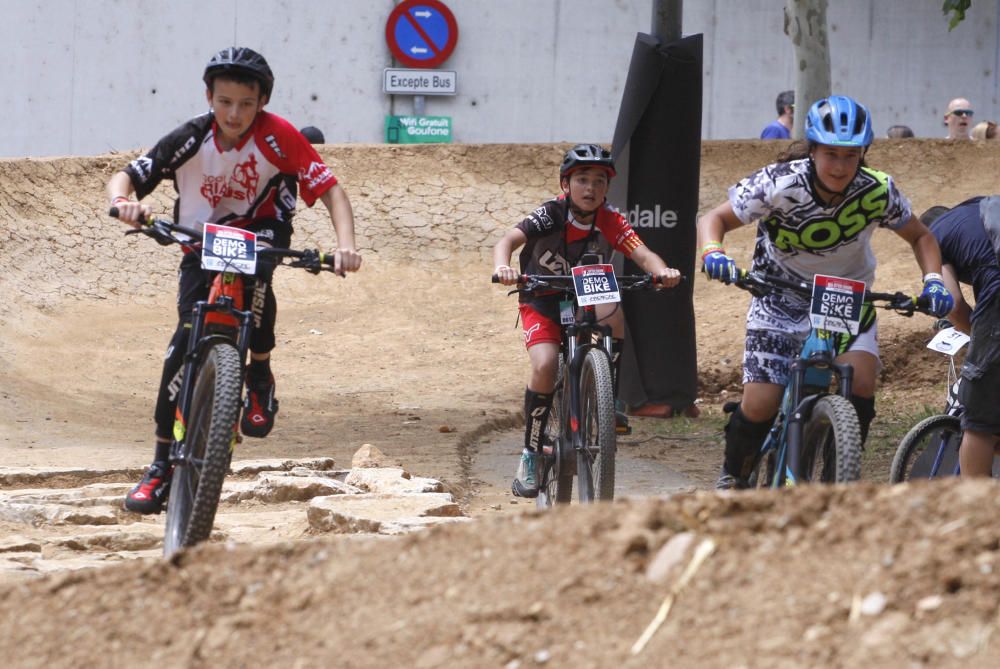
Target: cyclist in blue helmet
815, 210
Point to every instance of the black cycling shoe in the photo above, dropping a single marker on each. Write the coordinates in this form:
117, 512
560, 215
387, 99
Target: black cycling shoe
150, 494
259, 408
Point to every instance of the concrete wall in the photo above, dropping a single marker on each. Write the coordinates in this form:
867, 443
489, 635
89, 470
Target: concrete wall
91, 76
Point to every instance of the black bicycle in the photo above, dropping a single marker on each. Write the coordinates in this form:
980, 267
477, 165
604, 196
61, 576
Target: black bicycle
206, 427
580, 437
931, 448
816, 436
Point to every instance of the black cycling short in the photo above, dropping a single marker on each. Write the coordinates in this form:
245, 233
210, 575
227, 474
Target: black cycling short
979, 391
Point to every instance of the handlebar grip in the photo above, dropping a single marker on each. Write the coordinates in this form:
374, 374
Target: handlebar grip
495, 279
113, 213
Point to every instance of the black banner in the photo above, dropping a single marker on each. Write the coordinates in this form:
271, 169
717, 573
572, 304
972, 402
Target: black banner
657, 148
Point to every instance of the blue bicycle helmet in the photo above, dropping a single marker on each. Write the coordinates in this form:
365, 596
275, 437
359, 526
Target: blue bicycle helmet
839, 121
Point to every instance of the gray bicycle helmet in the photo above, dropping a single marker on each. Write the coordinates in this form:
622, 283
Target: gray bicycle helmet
240, 60
587, 155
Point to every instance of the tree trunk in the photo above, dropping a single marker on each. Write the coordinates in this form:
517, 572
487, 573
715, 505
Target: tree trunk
805, 25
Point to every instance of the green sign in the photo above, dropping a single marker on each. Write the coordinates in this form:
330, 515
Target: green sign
417, 129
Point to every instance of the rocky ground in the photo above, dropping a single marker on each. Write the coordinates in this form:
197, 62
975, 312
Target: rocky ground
315, 562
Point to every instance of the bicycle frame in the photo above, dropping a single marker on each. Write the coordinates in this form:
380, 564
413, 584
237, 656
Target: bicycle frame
219, 318
810, 378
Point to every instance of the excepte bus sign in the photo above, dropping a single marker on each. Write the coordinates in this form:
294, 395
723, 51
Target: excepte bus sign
417, 129
418, 82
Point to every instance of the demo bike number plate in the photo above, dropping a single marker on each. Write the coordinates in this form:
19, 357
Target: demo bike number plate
228, 249
595, 284
836, 304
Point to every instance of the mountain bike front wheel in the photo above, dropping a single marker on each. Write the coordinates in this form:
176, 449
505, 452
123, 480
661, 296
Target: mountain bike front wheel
197, 481
596, 461
831, 443
929, 450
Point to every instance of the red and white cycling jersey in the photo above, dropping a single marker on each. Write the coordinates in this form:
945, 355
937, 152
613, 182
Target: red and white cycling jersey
257, 179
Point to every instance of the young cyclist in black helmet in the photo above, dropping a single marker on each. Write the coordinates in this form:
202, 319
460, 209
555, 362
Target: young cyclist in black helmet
555, 237
815, 211
240, 166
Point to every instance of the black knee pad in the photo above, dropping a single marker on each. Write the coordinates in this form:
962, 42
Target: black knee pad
743, 441
865, 408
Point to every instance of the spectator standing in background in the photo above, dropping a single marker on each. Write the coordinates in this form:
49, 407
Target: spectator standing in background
958, 119
985, 130
781, 127
899, 132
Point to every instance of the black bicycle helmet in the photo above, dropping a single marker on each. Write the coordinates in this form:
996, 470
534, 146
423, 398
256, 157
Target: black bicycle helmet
587, 155
240, 61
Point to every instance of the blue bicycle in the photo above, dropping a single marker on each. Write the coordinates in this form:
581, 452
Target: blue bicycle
816, 436
930, 449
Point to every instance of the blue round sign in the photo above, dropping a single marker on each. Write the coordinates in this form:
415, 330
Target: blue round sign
421, 33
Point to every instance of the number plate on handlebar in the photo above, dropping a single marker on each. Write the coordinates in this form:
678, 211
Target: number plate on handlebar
228, 249
836, 304
948, 341
595, 284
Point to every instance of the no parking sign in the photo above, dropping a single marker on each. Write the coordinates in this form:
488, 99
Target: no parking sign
421, 33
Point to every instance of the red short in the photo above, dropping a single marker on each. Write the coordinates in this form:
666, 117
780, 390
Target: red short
538, 328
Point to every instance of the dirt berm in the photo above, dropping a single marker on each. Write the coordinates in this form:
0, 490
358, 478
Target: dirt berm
417, 354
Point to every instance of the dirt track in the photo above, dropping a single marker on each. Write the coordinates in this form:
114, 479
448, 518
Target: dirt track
418, 355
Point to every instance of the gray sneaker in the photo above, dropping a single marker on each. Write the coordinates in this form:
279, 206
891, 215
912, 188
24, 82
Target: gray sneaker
727, 481
525, 480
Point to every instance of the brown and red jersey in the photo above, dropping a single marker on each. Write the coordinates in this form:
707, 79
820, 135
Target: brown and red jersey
557, 241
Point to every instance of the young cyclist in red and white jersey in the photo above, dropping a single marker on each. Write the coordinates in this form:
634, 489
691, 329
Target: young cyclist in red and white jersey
240, 166
815, 210
555, 237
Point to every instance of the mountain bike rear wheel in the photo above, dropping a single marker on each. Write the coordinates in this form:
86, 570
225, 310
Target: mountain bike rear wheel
831, 443
197, 481
929, 450
596, 462
557, 479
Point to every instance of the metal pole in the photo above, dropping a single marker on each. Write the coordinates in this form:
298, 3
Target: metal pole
418, 105
667, 16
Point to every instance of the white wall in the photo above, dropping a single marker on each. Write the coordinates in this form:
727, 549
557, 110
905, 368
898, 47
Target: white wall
91, 76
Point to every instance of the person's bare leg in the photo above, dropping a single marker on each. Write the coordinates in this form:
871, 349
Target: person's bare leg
975, 456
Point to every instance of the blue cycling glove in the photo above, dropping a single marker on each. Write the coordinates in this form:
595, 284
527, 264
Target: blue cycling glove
719, 266
939, 300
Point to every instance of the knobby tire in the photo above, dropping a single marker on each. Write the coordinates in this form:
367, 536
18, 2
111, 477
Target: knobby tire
831, 443
197, 483
928, 433
597, 426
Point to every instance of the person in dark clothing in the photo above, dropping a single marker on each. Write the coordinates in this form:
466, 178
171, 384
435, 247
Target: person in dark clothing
969, 236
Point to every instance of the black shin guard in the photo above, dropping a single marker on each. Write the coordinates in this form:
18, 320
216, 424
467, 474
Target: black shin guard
536, 415
865, 408
743, 441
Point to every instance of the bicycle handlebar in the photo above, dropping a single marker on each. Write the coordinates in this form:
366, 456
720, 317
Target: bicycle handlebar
531, 282
760, 283
163, 231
